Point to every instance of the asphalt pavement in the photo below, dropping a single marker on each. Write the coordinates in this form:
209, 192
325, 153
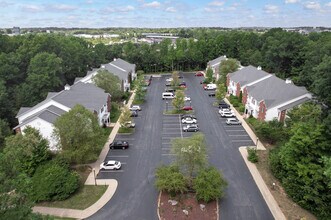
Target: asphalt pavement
136, 195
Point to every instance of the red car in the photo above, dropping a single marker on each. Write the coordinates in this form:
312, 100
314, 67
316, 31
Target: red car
199, 74
187, 108
182, 86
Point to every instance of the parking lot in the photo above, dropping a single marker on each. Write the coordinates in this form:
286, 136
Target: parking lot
150, 145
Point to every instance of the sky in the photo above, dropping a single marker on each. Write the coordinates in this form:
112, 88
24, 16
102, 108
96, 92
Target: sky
164, 13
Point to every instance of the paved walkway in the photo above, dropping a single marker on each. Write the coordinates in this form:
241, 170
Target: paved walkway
268, 197
112, 184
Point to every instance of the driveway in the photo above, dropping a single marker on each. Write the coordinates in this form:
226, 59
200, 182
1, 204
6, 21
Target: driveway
136, 196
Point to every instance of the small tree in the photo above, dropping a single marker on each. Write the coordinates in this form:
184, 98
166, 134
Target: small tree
140, 93
110, 83
175, 79
209, 184
220, 92
179, 101
125, 116
209, 75
190, 154
170, 179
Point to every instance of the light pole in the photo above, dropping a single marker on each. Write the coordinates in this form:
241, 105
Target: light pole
95, 181
257, 141
166, 105
190, 104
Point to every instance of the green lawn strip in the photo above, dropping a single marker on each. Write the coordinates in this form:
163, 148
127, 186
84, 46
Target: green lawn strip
175, 112
125, 130
85, 197
138, 102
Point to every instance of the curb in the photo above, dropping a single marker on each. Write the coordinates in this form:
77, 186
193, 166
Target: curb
158, 205
267, 196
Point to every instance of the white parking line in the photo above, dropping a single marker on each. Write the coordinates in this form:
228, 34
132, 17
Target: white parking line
112, 171
123, 138
238, 135
236, 130
181, 129
170, 128
168, 154
118, 156
169, 133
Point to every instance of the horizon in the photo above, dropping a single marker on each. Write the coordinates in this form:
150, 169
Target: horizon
164, 14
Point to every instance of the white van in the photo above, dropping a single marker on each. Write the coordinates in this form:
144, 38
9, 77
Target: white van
168, 95
211, 87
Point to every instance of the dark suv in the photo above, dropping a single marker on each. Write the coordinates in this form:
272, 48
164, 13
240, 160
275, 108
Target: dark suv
223, 104
119, 145
170, 90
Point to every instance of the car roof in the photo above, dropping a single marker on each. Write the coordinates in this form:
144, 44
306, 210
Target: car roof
111, 162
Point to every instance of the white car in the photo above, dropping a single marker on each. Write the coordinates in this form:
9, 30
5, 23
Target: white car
110, 165
187, 98
225, 110
135, 108
227, 114
169, 79
233, 121
189, 120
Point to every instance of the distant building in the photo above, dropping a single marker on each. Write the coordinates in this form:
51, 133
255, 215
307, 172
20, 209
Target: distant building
215, 65
16, 30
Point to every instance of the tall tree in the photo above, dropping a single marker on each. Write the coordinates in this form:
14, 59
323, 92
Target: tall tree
178, 102
110, 83
78, 134
226, 67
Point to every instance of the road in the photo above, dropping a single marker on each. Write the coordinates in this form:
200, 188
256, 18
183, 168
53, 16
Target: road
136, 196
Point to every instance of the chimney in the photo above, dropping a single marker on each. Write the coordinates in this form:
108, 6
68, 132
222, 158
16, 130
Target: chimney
259, 68
288, 81
67, 87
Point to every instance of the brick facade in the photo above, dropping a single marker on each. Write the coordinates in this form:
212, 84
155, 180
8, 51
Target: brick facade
245, 96
282, 116
109, 103
262, 111
238, 90
227, 80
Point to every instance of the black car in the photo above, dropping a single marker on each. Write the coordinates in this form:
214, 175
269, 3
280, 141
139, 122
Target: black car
182, 84
188, 116
223, 104
170, 90
134, 113
211, 94
119, 145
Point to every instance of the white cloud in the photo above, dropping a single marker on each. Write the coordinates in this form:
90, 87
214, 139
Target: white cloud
170, 9
127, 8
213, 9
328, 4
154, 4
216, 3
4, 4
271, 9
62, 7
291, 1
312, 5
32, 8
89, 1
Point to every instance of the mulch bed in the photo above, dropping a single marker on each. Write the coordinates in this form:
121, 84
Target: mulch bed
186, 202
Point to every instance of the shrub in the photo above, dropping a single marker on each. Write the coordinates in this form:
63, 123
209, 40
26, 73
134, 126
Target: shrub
170, 179
241, 108
52, 181
272, 131
252, 155
209, 185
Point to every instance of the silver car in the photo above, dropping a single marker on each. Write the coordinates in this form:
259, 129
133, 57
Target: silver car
233, 121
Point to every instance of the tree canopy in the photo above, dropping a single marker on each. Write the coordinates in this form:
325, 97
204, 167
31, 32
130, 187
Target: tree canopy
110, 83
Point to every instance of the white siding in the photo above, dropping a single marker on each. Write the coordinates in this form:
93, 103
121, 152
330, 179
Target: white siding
46, 130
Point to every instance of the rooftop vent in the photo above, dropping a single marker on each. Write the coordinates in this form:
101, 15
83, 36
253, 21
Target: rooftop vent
67, 87
259, 68
288, 81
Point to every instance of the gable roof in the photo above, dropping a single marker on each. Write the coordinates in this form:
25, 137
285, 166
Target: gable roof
85, 94
275, 91
247, 75
49, 114
124, 65
216, 61
117, 71
22, 110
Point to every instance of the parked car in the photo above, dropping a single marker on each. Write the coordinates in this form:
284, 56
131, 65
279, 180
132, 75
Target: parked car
223, 104
134, 113
225, 110
233, 121
170, 90
191, 128
188, 116
183, 86
129, 124
135, 108
180, 76
227, 114
182, 83
119, 145
169, 79
186, 98
199, 73
210, 87
111, 165
187, 108
168, 84
189, 120
211, 94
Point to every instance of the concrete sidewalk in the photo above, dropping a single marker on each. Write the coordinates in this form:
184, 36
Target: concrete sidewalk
112, 183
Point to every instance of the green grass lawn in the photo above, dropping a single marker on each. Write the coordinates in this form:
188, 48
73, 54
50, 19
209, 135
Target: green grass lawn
125, 130
82, 199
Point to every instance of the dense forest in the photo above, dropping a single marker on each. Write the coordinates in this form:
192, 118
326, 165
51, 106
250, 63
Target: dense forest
32, 65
